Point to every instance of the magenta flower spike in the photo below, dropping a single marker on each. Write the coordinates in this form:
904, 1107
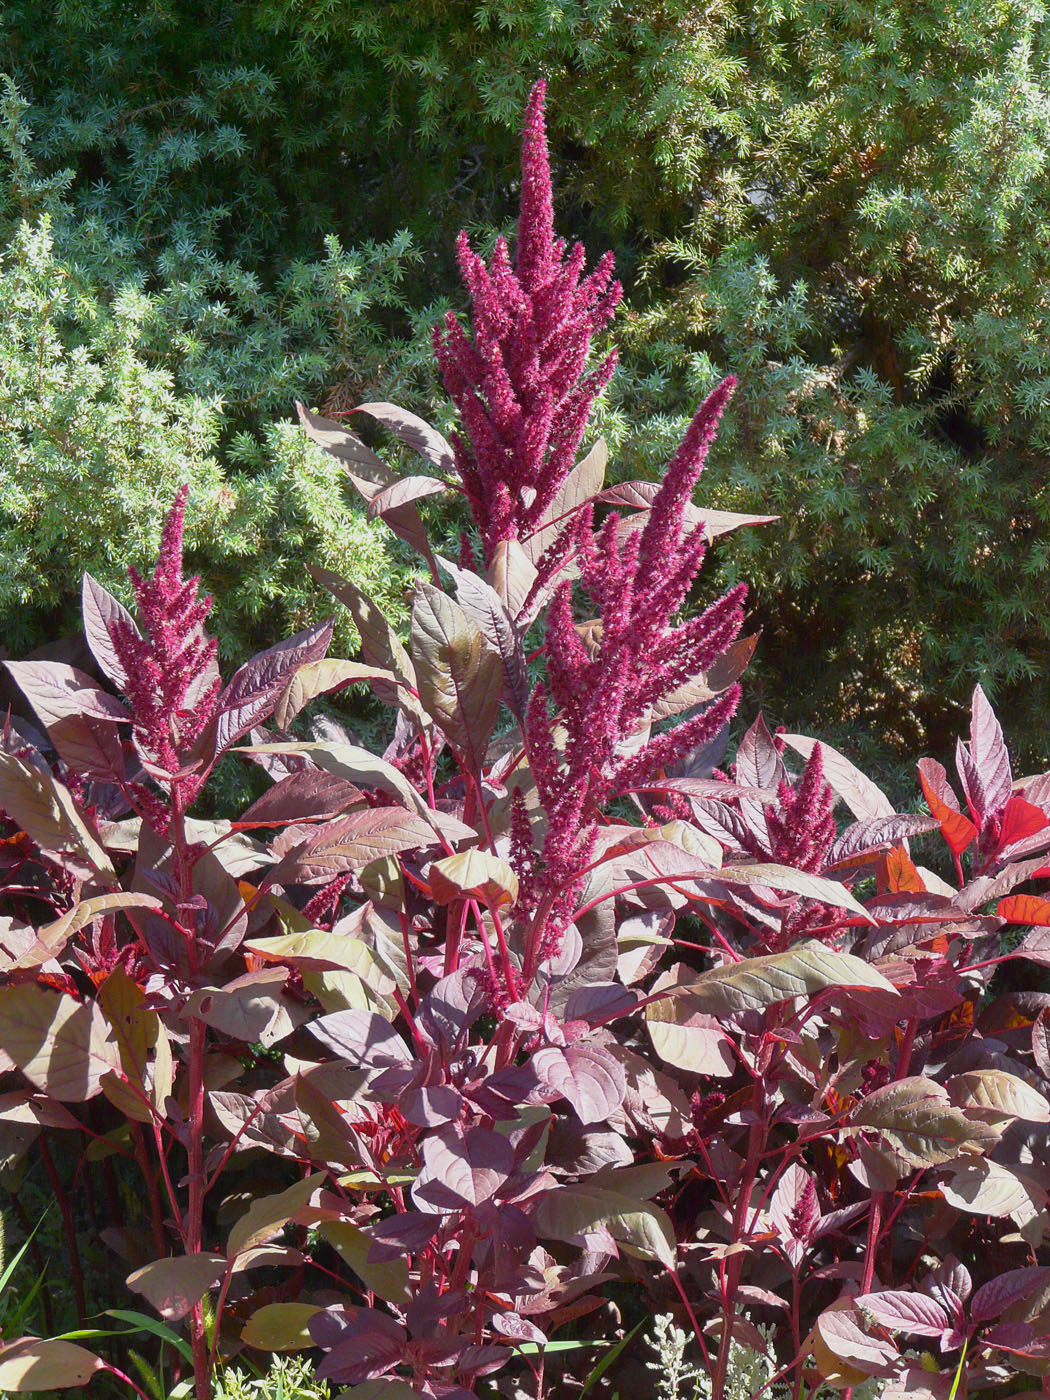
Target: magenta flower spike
802, 826
172, 680
637, 579
520, 383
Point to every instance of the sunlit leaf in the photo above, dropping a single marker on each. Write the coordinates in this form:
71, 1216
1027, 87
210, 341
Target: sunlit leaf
473, 873
176, 1285
31, 1364
61, 1045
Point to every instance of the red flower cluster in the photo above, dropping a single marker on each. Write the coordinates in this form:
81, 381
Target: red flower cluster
172, 681
638, 578
520, 384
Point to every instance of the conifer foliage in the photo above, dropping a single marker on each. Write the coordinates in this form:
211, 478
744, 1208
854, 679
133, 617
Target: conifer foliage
535, 1001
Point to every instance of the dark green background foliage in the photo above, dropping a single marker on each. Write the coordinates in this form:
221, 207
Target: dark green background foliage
845, 205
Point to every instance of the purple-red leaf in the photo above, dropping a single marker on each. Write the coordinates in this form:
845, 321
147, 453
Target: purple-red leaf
865, 839
176, 1285
842, 1333
312, 793
35, 1363
794, 1211
863, 797
589, 1077
103, 615
401, 1234
254, 688
362, 1036
902, 1311
1041, 1041
403, 492
1001, 1292
461, 1169
991, 762
414, 432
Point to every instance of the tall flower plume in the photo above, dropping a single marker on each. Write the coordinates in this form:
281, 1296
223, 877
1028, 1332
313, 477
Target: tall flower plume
172, 680
520, 383
638, 579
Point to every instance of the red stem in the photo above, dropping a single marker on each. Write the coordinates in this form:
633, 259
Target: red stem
872, 1246
732, 1267
69, 1228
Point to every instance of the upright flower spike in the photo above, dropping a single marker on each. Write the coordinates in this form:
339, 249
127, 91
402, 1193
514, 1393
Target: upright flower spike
520, 383
172, 679
800, 829
637, 580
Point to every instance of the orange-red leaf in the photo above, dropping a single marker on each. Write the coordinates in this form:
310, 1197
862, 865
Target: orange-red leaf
1021, 819
1024, 909
957, 830
899, 872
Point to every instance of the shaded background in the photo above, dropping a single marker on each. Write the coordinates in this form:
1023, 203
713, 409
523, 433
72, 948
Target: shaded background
209, 210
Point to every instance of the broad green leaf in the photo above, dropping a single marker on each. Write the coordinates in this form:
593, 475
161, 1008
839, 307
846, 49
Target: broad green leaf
322, 678
380, 644
61, 1045
998, 1094
342, 991
280, 1327
247, 1009
134, 1026
380, 1390
316, 950
916, 1118
784, 877
177, 1284
266, 1216
755, 983
44, 809
473, 873
688, 1040
983, 1187
388, 1279
163, 1069
120, 1090
30, 1364
52, 938
640, 1228
267, 1256
458, 677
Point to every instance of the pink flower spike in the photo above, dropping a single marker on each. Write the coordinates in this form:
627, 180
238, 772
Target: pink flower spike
521, 383
173, 682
